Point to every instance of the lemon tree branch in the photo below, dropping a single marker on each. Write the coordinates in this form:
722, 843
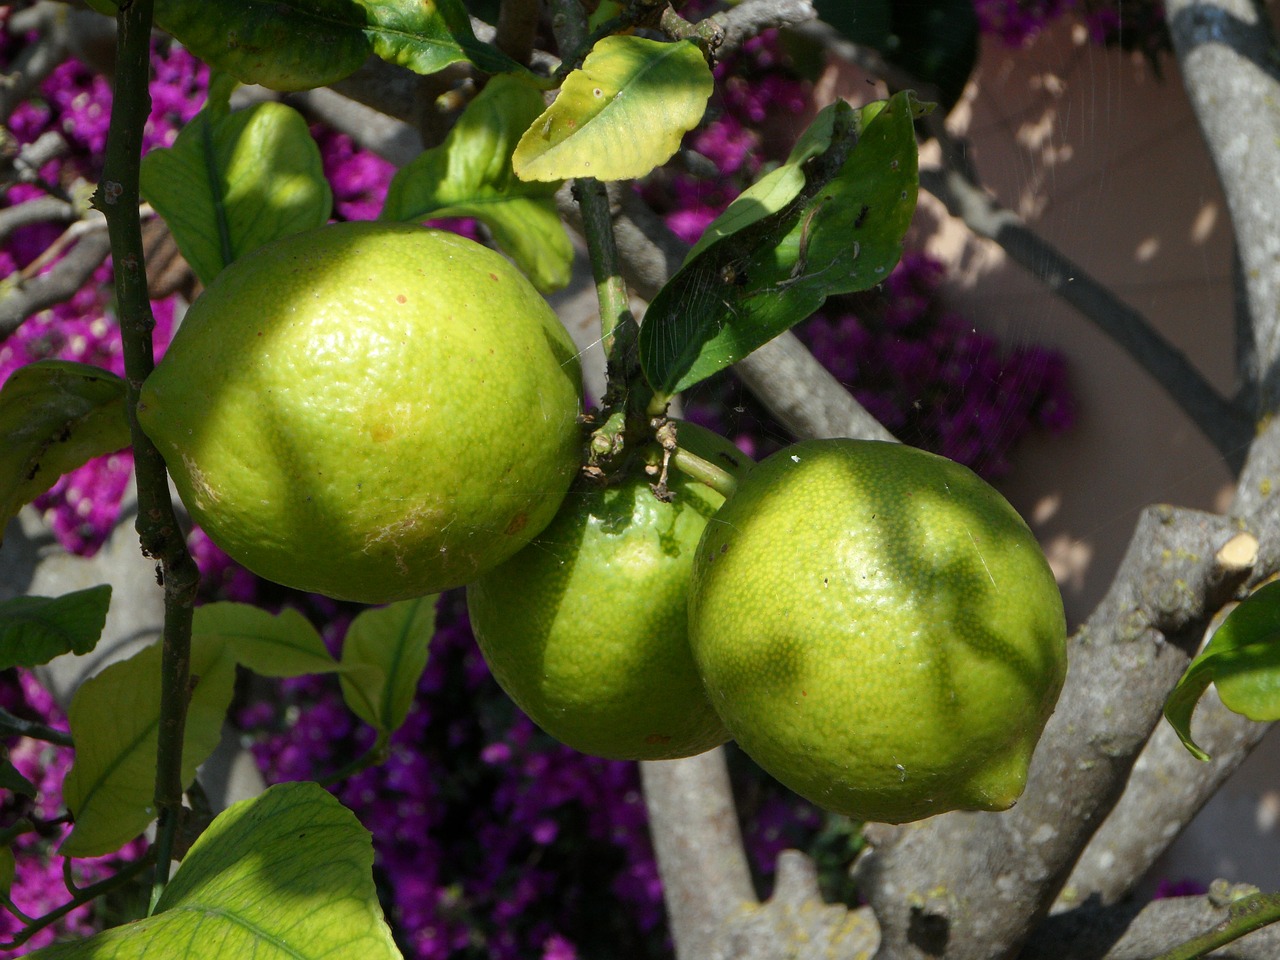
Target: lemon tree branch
118, 199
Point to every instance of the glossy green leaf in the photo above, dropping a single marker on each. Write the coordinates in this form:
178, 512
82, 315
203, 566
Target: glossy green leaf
470, 175
300, 44
287, 875
841, 233
34, 630
383, 656
1242, 660
8, 867
234, 181
621, 114
11, 778
115, 718
55, 415
777, 188
271, 645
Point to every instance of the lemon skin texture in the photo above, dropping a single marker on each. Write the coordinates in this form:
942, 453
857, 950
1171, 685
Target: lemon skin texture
585, 629
879, 630
370, 411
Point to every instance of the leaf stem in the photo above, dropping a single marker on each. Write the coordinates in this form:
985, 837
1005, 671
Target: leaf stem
375, 755
1246, 915
118, 198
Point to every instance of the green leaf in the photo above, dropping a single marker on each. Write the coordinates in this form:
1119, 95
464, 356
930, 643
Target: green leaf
470, 175
234, 181
287, 875
840, 233
115, 719
34, 630
55, 415
621, 114
300, 44
271, 645
772, 192
1242, 659
11, 778
383, 657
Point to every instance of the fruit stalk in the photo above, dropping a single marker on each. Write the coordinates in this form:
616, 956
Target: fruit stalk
704, 471
118, 199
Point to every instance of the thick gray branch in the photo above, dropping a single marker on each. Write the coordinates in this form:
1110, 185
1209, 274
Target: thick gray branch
750, 18
1167, 789
1230, 67
1131, 932
705, 878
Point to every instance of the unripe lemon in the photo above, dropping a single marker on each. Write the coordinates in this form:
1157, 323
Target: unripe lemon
585, 629
879, 630
371, 411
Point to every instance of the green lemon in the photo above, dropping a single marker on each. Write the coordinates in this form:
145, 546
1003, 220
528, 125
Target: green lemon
879, 630
371, 411
585, 629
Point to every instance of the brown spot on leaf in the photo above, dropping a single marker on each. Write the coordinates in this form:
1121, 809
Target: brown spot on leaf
518, 523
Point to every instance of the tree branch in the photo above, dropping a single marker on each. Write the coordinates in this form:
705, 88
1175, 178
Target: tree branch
1142, 932
750, 18
22, 300
118, 198
1228, 58
1167, 789
705, 878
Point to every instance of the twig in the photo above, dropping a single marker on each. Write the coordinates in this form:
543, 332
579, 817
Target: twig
57, 285
82, 896
39, 210
118, 198
11, 726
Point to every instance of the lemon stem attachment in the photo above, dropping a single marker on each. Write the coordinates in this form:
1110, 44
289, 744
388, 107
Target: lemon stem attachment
705, 472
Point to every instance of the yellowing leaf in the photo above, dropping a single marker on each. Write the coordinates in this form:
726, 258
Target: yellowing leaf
621, 114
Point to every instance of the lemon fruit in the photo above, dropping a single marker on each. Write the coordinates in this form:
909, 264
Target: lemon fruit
585, 629
879, 630
371, 411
